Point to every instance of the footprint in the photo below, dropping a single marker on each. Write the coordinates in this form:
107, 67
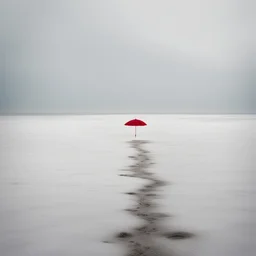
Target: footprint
124, 235
178, 235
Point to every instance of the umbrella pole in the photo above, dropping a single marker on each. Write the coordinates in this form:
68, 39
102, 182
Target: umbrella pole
135, 131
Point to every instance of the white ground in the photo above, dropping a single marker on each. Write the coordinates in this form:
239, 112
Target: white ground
60, 193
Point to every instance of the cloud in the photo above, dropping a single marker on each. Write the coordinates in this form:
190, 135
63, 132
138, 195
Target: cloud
127, 56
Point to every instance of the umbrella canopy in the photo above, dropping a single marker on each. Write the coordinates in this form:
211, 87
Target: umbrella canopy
135, 123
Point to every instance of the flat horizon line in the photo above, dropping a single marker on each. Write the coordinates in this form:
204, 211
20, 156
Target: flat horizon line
114, 113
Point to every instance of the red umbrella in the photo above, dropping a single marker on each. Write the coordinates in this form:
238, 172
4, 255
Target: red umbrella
135, 123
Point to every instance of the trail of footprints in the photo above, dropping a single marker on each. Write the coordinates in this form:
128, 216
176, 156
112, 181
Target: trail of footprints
142, 240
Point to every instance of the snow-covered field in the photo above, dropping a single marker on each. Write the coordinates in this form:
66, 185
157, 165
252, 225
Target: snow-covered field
61, 193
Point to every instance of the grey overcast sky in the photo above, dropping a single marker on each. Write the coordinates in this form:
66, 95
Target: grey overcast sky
112, 56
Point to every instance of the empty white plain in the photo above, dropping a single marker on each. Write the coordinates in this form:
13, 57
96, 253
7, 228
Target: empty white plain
61, 193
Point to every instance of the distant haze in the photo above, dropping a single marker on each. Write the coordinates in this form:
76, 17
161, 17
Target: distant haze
98, 56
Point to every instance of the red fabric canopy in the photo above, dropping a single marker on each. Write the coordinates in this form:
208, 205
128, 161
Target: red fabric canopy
135, 122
